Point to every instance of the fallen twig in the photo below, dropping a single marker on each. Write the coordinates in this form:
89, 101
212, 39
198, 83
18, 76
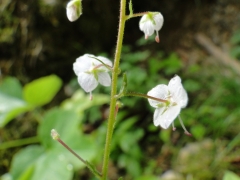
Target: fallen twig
218, 53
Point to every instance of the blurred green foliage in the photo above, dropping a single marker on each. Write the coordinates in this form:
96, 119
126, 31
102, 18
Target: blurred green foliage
15, 100
139, 149
235, 40
228, 175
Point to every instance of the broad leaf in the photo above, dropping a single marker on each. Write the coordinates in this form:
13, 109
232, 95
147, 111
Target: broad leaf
41, 91
24, 161
228, 175
67, 124
11, 87
79, 102
52, 166
10, 107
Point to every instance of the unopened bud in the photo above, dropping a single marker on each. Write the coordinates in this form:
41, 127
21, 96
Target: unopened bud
74, 10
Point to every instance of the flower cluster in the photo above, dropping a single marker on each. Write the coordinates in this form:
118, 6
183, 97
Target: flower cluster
92, 70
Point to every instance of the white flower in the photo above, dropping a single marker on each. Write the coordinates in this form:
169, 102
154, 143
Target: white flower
150, 22
90, 71
74, 10
176, 99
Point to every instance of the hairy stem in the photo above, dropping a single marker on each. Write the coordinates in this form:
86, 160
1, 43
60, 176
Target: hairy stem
111, 119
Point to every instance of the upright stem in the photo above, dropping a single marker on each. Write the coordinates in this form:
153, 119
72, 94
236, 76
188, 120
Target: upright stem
111, 119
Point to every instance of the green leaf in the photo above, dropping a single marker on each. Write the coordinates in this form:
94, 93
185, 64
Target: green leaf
191, 85
172, 64
63, 121
123, 89
228, 175
165, 136
11, 87
53, 161
6, 176
11, 100
41, 91
136, 57
24, 160
53, 166
130, 139
198, 131
79, 102
66, 123
131, 164
27, 173
130, 6
147, 177
10, 107
235, 39
235, 52
93, 169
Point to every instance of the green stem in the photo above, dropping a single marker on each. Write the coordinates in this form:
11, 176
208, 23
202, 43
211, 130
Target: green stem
135, 15
91, 168
144, 96
19, 142
111, 119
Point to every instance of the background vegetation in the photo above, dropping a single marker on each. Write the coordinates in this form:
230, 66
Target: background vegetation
200, 42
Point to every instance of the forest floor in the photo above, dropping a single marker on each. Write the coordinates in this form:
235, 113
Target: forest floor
203, 37
206, 33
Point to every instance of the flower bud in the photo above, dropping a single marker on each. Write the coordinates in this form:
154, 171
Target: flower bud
55, 134
74, 10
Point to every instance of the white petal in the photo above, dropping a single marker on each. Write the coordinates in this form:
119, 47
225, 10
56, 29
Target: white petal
71, 13
165, 117
74, 10
87, 81
161, 92
105, 60
178, 92
158, 18
104, 79
82, 64
146, 26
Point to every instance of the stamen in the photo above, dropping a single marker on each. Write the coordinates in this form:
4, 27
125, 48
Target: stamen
173, 127
157, 39
185, 130
91, 97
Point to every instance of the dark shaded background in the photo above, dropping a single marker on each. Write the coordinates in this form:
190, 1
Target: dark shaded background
42, 41
36, 39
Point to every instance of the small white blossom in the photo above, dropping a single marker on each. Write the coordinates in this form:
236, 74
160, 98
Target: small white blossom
176, 99
150, 22
90, 71
74, 10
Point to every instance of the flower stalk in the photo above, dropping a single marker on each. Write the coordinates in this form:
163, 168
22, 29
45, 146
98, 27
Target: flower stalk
56, 137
